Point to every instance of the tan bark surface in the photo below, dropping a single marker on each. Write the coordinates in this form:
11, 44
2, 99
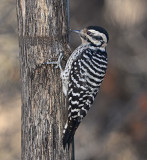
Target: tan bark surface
42, 36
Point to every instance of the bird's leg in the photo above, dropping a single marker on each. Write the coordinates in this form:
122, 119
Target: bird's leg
58, 62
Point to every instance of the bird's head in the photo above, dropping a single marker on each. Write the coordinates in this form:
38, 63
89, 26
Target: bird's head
94, 35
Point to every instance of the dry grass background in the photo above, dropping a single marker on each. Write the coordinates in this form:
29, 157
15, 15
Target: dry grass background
116, 126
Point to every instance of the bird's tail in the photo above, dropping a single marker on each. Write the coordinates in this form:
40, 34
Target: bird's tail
69, 131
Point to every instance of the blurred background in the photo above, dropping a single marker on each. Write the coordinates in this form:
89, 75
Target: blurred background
116, 126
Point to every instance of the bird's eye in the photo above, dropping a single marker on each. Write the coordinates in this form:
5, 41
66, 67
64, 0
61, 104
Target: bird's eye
88, 32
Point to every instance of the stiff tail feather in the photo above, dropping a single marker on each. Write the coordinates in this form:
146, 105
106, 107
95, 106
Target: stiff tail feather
69, 131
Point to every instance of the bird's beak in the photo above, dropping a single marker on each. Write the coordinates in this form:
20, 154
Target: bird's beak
76, 31
80, 32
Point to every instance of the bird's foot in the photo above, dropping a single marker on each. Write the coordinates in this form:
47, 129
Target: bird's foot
58, 62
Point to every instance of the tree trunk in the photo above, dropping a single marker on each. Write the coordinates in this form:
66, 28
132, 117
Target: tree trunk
42, 36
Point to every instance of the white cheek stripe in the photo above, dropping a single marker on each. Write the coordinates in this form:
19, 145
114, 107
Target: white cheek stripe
97, 33
94, 41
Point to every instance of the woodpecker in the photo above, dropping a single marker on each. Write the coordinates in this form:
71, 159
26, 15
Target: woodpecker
82, 76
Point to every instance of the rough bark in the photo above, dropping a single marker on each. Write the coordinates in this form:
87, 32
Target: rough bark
42, 36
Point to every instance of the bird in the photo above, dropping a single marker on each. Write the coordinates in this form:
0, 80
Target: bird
82, 76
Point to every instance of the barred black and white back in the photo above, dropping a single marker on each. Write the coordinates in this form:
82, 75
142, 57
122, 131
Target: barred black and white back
82, 77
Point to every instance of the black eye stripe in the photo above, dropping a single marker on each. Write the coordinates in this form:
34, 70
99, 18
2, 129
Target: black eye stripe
97, 37
94, 37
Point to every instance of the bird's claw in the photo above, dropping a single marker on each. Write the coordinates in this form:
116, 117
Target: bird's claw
58, 62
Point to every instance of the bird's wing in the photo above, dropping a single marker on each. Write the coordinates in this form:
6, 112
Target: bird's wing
84, 82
